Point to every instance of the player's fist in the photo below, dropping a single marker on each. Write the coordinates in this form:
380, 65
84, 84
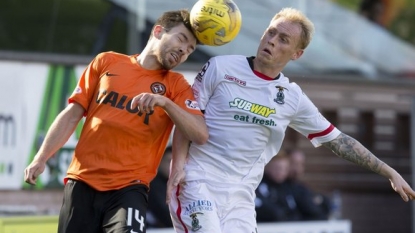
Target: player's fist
145, 102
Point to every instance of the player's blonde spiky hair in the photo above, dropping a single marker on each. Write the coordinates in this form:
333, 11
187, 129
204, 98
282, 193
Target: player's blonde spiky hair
296, 16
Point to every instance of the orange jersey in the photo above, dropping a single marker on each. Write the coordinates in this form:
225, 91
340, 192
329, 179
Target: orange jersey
118, 145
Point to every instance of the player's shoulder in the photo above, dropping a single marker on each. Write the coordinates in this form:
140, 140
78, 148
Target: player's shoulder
289, 84
175, 79
294, 85
295, 89
175, 83
111, 55
172, 74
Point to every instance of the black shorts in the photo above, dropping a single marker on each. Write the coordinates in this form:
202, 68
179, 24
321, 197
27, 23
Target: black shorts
85, 209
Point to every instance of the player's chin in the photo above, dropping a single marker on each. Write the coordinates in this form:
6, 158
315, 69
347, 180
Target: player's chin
168, 65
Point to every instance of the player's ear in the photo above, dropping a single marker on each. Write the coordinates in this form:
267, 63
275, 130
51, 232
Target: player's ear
297, 54
158, 31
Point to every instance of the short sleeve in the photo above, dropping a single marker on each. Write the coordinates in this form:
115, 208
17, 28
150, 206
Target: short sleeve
311, 123
204, 83
183, 96
87, 83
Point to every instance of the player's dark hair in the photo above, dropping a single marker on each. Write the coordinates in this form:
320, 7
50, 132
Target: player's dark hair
171, 19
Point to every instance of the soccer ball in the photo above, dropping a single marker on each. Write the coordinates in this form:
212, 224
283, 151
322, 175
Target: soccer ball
215, 22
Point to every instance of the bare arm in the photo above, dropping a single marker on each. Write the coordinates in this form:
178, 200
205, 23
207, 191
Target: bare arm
192, 126
180, 149
58, 134
350, 149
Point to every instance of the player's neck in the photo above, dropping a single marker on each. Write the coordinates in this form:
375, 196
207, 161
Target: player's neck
265, 70
148, 58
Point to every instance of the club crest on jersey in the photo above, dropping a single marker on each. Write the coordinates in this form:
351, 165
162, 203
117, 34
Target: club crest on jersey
280, 95
158, 88
195, 221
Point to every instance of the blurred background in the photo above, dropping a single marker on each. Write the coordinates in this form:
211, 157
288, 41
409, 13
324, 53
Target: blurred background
359, 70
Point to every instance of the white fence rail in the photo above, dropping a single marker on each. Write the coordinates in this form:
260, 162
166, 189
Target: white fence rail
338, 226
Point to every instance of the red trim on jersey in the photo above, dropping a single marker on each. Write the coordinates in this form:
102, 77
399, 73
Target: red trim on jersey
323, 133
263, 76
179, 210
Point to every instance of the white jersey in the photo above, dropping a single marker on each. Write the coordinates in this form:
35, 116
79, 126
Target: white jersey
247, 115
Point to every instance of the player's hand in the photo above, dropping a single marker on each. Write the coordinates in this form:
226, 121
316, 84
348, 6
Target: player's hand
145, 102
175, 179
402, 187
33, 171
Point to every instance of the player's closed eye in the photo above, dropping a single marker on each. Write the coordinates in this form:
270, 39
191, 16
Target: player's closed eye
284, 40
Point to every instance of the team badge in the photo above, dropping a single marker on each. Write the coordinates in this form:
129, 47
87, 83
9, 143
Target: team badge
280, 95
158, 88
195, 221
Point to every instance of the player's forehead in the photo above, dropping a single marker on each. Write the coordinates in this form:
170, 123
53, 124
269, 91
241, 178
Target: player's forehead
181, 30
285, 26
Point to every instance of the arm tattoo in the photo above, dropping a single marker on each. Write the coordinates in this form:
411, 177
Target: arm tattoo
350, 149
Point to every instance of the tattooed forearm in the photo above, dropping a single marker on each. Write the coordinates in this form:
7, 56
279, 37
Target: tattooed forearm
350, 149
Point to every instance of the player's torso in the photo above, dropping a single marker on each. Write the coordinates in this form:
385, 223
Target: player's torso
117, 138
242, 114
117, 87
